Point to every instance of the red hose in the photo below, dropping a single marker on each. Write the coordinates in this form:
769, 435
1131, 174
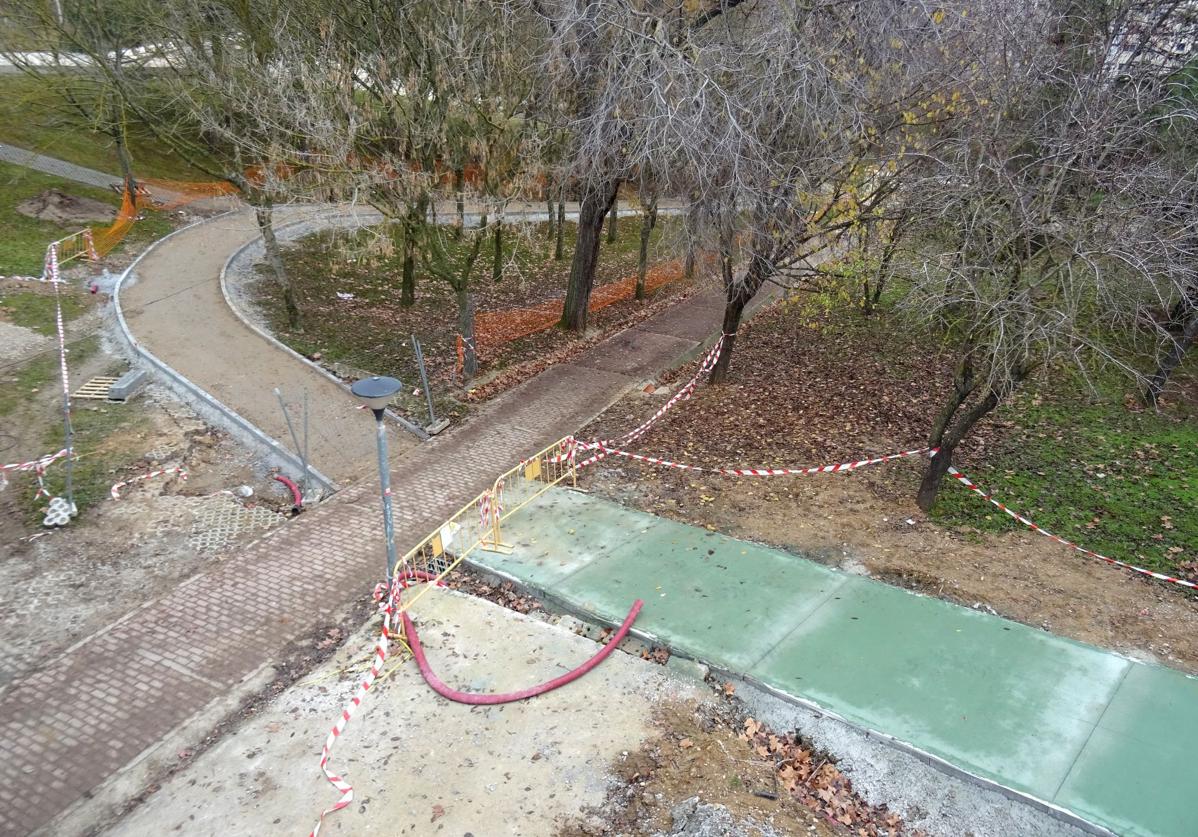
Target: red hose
444, 691
297, 499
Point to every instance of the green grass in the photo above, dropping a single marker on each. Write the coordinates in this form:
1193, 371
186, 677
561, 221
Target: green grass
106, 435
33, 375
1121, 483
17, 384
34, 116
24, 240
100, 457
36, 311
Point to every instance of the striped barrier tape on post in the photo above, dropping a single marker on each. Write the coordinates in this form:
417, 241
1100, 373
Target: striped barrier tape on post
115, 491
386, 596
33, 464
62, 348
683, 394
965, 481
50, 269
834, 468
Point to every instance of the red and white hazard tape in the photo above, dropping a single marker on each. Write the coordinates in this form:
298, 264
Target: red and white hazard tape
62, 349
38, 466
34, 464
388, 599
835, 468
386, 596
965, 481
683, 394
50, 267
115, 491
490, 505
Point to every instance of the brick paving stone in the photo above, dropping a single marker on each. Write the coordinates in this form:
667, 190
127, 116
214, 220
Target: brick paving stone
128, 687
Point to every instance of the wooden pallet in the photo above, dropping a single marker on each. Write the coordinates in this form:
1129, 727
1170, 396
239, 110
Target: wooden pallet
96, 389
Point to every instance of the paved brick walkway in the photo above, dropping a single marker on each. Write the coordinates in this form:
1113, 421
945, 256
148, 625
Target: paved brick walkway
67, 728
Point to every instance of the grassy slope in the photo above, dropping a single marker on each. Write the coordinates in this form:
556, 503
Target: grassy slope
1119, 482
35, 117
23, 244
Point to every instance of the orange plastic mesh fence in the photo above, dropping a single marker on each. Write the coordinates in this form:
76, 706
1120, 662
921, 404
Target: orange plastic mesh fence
494, 328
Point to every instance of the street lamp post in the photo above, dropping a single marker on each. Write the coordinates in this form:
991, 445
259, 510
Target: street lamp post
375, 393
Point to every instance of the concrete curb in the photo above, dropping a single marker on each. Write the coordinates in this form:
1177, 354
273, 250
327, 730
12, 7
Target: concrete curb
209, 407
415, 430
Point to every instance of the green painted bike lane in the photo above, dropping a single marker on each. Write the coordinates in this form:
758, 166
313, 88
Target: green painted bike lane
1075, 726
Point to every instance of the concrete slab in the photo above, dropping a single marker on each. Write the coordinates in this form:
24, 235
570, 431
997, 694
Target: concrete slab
559, 533
1136, 771
719, 600
1069, 724
418, 763
997, 698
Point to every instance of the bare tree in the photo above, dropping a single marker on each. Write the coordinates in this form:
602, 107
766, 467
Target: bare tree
93, 42
1044, 214
609, 65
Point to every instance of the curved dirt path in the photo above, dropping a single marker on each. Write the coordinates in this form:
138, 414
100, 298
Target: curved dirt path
173, 305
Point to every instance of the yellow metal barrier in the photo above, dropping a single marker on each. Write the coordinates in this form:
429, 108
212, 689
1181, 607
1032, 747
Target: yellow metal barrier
477, 524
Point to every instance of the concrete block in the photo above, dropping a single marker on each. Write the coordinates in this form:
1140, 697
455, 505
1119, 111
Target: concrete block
128, 385
686, 667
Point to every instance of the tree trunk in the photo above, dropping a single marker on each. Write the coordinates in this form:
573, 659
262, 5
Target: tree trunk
408, 286
412, 223
274, 257
613, 221
648, 222
459, 190
126, 163
465, 301
947, 434
733, 309
497, 258
549, 212
737, 295
596, 202
688, 266
933, 478
559, 245
1171, 358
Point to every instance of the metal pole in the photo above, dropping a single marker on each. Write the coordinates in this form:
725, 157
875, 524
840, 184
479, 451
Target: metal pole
428, 396
385, 482
305, 454
300, 451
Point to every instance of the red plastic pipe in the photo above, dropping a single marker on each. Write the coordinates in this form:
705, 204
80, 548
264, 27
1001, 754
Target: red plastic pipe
473, 699
297, 499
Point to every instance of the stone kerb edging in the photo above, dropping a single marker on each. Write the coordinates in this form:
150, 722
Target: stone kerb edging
210, 407
415, 430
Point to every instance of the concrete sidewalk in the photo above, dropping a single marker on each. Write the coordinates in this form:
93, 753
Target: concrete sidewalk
1073, 726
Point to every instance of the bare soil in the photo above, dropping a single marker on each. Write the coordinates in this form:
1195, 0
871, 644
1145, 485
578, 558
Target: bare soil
802, 396
59, 585
769, 781
61, 208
